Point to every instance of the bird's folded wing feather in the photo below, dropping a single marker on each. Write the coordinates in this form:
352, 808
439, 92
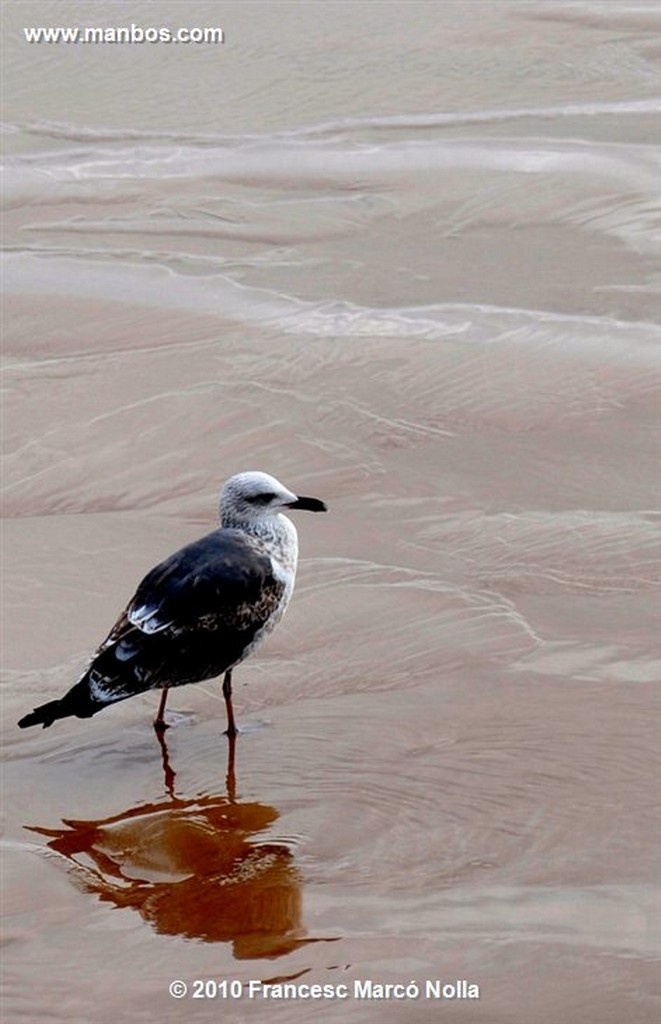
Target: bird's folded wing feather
223, 578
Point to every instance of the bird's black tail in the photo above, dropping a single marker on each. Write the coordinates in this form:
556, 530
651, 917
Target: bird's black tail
77, 701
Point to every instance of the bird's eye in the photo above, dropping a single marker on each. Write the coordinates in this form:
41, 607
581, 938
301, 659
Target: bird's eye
262, 499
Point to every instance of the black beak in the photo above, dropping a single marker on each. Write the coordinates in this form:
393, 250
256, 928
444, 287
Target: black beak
308, 505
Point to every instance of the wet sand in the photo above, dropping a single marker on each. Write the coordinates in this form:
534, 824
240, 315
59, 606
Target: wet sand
430, 298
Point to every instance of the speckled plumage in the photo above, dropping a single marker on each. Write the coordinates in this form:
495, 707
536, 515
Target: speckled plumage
203, 610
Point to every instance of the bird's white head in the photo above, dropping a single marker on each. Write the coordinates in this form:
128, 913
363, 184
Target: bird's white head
253, 497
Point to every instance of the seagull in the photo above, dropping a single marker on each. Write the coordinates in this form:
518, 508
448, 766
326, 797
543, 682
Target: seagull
202, 611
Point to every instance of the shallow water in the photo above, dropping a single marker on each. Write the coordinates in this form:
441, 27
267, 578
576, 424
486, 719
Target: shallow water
410, 267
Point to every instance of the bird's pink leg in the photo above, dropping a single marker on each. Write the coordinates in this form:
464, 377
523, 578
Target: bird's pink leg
159, 722
227, 694
230, 777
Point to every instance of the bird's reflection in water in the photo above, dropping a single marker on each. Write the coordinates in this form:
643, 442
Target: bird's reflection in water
193, 867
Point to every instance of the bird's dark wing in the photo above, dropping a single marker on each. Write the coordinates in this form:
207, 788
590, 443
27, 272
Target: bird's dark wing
191, 617
221, 575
